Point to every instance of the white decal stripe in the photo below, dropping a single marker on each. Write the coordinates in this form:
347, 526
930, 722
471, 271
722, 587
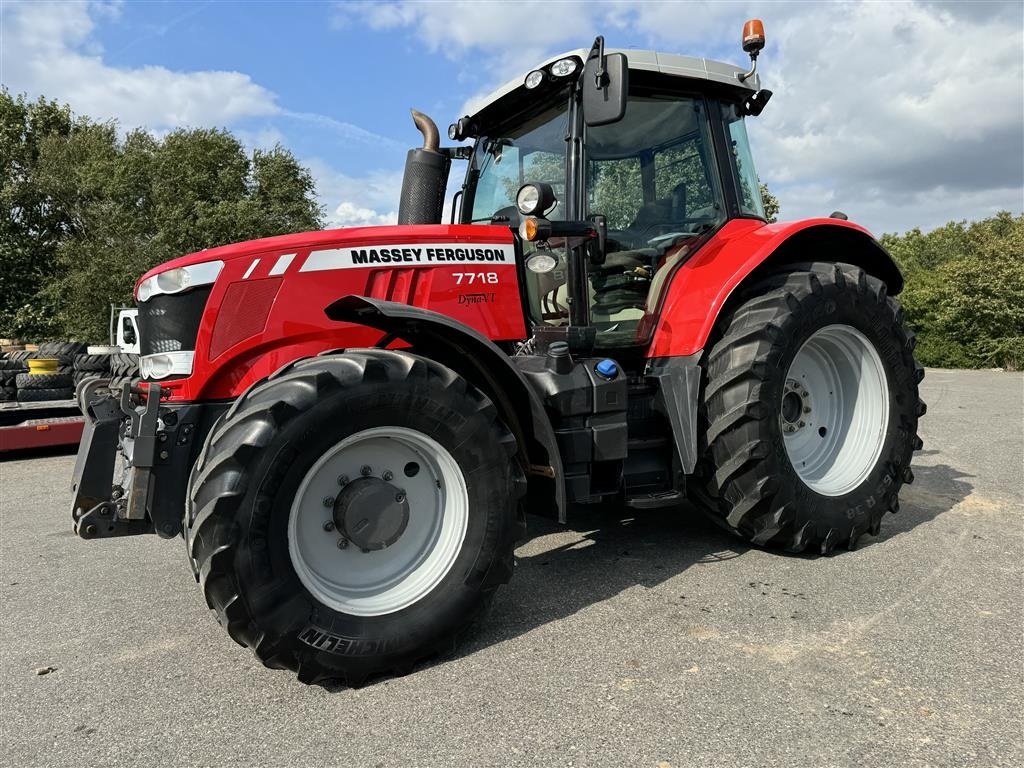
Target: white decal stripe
282, 264
251, 269
458, 255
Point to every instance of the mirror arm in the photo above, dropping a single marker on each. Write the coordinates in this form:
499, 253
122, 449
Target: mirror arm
600, 74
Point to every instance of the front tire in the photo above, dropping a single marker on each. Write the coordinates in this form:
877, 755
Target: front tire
277, 525
810, 404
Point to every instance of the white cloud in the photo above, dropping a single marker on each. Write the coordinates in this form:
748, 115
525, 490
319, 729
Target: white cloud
902, 114
47, 48
354, 201
349, 214
50, 49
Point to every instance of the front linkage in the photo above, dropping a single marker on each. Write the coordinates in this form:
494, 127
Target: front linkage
156, 443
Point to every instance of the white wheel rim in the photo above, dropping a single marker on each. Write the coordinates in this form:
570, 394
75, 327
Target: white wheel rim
383, 581
835, 410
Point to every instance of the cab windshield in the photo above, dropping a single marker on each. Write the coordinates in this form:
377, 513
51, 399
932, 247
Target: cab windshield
533, 151
652, 175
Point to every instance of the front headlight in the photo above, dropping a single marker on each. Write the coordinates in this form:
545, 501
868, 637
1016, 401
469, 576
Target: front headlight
179, 279
166, 364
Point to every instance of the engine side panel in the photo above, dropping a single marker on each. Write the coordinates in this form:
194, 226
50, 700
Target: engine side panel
701, 286
267, 306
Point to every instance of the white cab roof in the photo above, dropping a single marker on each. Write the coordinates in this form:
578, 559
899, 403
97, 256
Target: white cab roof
652, 61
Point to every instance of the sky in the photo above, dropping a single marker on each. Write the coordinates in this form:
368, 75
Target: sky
902, 114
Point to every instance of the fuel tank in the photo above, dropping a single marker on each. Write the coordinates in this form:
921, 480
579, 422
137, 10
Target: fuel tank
266, 307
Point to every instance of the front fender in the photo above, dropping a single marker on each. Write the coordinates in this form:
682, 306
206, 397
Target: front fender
484, 365
742, 250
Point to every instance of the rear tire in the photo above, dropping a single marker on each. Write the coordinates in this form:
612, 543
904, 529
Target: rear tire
810, 406
253, 481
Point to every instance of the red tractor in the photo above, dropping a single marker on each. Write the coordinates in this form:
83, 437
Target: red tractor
348, 427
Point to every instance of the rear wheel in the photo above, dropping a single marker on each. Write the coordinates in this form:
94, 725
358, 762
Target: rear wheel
354, 514
811, 407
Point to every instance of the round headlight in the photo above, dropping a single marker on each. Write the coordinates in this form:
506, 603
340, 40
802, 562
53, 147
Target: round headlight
534, 79
535, 199
453, 132
528, 199
542, 262
173, 280
563, 67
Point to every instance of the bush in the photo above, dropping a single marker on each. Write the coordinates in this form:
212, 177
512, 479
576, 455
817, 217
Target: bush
964, 292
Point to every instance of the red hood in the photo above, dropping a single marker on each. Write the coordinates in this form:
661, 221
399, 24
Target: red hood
425, 233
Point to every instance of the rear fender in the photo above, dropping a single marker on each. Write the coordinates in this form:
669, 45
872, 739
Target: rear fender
484, 365
739, 253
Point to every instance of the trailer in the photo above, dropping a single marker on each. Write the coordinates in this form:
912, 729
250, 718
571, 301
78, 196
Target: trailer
28, 426
38, 405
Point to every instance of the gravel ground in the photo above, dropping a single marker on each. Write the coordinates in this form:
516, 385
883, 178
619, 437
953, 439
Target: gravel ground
654, 641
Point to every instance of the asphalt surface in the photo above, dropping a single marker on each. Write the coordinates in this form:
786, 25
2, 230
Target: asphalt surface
656, 641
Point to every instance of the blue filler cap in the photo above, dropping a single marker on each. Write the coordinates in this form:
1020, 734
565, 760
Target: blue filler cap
607, 369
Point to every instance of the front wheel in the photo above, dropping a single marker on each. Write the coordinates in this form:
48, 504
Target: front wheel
354, 514
811, 404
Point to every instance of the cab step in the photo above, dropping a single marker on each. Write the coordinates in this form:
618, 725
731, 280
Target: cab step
656, 500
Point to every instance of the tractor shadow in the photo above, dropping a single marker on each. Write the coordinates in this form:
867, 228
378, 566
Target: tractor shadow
563, 570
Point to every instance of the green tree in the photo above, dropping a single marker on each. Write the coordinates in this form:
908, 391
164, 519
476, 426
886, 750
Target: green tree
964, 291
771, 204
88, 211
31, 224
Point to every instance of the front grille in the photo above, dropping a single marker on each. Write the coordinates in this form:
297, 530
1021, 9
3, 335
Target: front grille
170, 322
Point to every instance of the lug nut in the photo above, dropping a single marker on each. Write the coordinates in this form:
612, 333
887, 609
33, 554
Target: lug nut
342, 479
801, 424
365, 470
329, 526
388, 474
342, 543
807, 409
328, 501
400, 497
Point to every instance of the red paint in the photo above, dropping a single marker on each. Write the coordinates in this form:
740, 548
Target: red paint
702, 284
246, 334
292, 324
41, 433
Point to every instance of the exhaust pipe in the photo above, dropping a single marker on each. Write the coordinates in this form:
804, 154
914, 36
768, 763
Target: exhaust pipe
426, 126
426, 177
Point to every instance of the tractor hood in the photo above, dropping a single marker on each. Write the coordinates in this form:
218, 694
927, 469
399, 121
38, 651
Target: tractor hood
326, 238
255, 305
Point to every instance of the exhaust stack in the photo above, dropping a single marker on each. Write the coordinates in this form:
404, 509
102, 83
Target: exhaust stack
426, 177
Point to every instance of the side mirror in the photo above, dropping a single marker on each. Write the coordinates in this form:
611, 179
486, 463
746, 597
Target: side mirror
128, 332
605, 83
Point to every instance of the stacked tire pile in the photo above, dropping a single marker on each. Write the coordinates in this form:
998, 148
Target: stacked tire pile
124, 365
50, 373
96, 361
12, 365
55, 369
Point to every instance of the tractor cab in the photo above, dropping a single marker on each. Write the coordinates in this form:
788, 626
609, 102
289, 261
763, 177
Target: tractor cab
612, 166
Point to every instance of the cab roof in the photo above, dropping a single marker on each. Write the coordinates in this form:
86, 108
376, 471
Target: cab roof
673, 64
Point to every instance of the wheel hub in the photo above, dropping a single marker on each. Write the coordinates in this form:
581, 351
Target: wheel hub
371, 513
378, 520
796, 404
